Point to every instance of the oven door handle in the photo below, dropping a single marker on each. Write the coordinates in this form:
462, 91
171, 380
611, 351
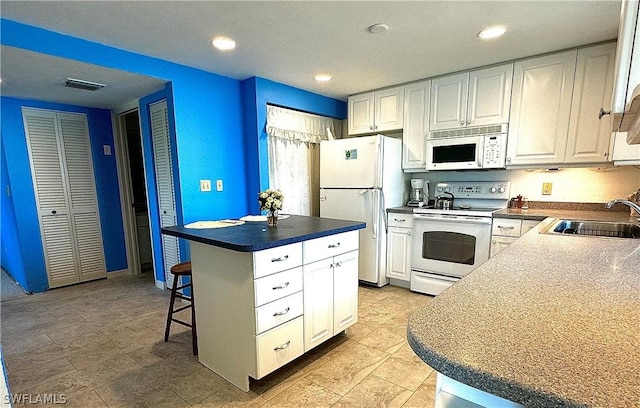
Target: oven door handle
453, 218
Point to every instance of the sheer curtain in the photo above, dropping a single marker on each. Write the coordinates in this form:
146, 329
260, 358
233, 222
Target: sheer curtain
294, 156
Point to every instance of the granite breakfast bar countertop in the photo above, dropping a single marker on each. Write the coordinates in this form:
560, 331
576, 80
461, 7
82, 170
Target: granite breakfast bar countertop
550, 321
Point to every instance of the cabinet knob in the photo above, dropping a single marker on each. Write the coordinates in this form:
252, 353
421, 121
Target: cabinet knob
606, 154
468, 122
493, 241
508, 159
408, 232
462, 122
370, 127
375, 127
603, 112
54, 212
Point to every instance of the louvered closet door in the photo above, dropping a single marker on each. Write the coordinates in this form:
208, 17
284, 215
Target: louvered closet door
164, 180
83, 202
71, 253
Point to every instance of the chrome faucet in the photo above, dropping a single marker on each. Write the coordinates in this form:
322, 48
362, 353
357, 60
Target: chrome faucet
631, 204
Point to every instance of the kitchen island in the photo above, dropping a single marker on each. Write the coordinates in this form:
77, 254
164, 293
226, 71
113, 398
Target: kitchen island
266, 295
550, 321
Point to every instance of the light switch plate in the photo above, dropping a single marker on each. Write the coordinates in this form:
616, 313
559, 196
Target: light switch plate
205, 185
218, 185
546, 188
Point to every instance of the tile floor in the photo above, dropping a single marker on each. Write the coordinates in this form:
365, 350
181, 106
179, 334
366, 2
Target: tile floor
101, 345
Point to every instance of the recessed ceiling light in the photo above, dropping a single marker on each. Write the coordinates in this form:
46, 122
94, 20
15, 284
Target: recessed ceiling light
491, 32
322, 77
224, 43
378, 28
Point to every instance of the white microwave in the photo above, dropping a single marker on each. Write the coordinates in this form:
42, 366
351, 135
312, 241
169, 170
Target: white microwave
474, 149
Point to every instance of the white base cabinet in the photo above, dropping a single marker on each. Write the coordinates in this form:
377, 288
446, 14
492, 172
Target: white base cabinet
505, 231
257, 311
399, 241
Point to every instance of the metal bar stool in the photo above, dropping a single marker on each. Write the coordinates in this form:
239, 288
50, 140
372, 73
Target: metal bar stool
178, 270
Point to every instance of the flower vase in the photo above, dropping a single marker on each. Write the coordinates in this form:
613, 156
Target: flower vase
272, 218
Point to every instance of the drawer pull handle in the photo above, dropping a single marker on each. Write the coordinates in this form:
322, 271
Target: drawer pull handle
280, 258
284, 346
503, 227
334, 245
281, 286
399, 219
284, 312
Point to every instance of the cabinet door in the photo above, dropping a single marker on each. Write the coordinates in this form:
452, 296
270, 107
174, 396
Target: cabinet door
589, 136
399, 253
345, 291
361, 114
489, 96
389, 109
449, 102
416, 125
527, 225
540, 109
500, 243
318, 302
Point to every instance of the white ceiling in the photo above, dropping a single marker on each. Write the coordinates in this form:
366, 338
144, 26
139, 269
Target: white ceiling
289, 42
31, 75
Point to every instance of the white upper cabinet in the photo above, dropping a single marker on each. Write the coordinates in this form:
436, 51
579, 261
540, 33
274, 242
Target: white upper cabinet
540, 109
449, 102
476, 98
416, 125
375, 112
589, 132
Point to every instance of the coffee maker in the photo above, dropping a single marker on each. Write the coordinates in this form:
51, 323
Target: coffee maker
419, 193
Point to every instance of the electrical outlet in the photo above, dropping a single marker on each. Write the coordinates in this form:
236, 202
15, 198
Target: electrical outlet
218, 185
205, 185
546, 188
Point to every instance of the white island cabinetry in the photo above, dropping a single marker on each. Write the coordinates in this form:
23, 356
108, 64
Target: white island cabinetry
257, 311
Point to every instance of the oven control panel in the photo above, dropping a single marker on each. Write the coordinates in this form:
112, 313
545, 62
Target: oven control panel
498, 190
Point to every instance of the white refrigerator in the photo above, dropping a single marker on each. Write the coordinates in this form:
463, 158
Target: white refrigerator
359, 179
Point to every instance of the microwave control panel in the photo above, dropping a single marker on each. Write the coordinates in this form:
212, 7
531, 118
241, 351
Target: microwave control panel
495, 151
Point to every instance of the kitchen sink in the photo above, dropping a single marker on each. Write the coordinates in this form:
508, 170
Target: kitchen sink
593, 228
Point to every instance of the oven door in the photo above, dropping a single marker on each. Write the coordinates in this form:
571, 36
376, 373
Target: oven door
450, 245
458, 153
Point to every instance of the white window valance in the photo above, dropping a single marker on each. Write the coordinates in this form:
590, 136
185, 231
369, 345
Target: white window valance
299, 126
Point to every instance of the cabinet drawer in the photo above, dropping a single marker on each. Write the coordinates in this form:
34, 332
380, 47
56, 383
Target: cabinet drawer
278, 285
277, 259
507, 227
400, 220
325, 247
279, 346
280, 311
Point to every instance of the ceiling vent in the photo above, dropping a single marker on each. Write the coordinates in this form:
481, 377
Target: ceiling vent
81, 84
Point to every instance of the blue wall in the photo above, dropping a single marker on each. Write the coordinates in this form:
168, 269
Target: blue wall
257, 93
218, 124
19, 178
11, 254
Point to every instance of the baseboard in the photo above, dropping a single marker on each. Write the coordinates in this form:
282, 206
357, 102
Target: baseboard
398, 282
117, 274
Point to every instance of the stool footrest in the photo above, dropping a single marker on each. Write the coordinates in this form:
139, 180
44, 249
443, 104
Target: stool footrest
180, 309
183, 297
181, 322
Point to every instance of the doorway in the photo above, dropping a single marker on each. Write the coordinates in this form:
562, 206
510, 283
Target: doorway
134, 195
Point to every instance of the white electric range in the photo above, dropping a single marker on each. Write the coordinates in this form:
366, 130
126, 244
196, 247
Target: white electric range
450, 243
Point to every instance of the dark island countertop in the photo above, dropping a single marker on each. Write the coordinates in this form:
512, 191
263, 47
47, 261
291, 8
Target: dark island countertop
256, 236
551, 321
